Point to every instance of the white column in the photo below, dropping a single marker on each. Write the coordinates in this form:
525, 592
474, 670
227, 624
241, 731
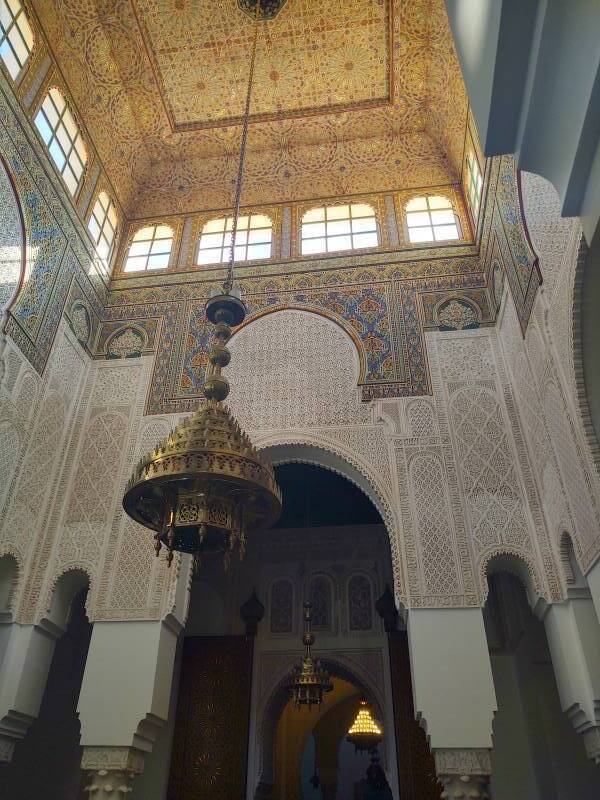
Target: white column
124, 700
573, 636
454, 695
25, 666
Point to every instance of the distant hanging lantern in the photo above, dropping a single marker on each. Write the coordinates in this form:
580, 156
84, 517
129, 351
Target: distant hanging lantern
309, 680
365, 734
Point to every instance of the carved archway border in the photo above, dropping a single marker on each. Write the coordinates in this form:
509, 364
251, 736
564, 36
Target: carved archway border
8, 551
319, 452
539, 591
336, 319
72, 568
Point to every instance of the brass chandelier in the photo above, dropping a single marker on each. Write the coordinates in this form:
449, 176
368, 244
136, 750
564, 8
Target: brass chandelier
365, 734
205, 486
309, 680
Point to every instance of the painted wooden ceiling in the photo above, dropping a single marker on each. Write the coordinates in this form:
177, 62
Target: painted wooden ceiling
350, 96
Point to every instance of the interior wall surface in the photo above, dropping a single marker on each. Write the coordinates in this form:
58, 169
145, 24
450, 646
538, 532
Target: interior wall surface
471, 441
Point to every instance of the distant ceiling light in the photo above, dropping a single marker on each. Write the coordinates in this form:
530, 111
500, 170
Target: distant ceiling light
365, 734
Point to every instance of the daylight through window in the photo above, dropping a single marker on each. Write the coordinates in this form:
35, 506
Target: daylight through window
253, 239
431, 219
474, 183
150, 249
62, 137
16, 36
345, 227
103, 226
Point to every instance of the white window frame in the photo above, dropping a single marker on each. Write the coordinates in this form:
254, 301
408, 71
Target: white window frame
474, 183
16, 33
156, 247
214, 242
60, 133
427, 220
104, 217
326, 223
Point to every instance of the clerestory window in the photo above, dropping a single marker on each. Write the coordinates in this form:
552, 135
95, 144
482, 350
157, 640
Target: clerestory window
16, 36
342, 227
253, 239
102, 226
431, 219
62, 137
150, 249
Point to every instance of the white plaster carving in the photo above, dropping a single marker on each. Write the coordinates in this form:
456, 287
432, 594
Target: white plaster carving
294, 369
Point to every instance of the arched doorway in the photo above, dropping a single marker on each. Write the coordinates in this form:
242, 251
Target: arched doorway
331, 546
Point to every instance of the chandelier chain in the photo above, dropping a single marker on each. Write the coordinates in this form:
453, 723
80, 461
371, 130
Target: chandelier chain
228, 284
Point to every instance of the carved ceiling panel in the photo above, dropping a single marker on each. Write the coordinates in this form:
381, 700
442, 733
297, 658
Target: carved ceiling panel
311, 57
350, 96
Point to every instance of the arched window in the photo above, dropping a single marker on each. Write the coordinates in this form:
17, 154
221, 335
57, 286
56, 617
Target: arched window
150, 248
282, 606
253, 239
360, 603
62, 137
16, 36
346, 227
474, 183
103, 226
431, 219
320, 598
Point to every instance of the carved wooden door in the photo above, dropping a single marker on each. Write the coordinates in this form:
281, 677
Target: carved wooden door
210, 745
416, 767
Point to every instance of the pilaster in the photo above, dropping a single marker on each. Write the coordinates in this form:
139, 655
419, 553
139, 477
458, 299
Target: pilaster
573, 636
454, 695
25, 668
125, 694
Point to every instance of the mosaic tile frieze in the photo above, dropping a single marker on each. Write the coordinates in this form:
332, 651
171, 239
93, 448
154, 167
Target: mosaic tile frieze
384, 318
57, 249
507, 240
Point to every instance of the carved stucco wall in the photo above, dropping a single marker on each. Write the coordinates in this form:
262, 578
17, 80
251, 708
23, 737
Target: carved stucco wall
542, 369
459, 476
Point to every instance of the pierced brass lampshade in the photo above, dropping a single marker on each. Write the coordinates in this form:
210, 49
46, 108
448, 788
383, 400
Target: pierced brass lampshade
205, 486
309, 680
365, 734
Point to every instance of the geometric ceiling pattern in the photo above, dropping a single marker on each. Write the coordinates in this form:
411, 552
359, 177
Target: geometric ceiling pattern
350, 96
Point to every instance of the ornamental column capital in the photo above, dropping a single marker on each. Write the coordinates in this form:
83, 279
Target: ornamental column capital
464, 773
110, 771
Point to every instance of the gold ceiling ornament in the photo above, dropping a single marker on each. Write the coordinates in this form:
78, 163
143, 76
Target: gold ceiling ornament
365, 734
205, 486
309, 680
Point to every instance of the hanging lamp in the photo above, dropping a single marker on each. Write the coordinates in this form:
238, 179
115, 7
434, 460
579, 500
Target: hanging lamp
365, 734
309, 680
205, 486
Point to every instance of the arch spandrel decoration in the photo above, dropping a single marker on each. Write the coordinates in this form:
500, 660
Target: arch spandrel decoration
12, 239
